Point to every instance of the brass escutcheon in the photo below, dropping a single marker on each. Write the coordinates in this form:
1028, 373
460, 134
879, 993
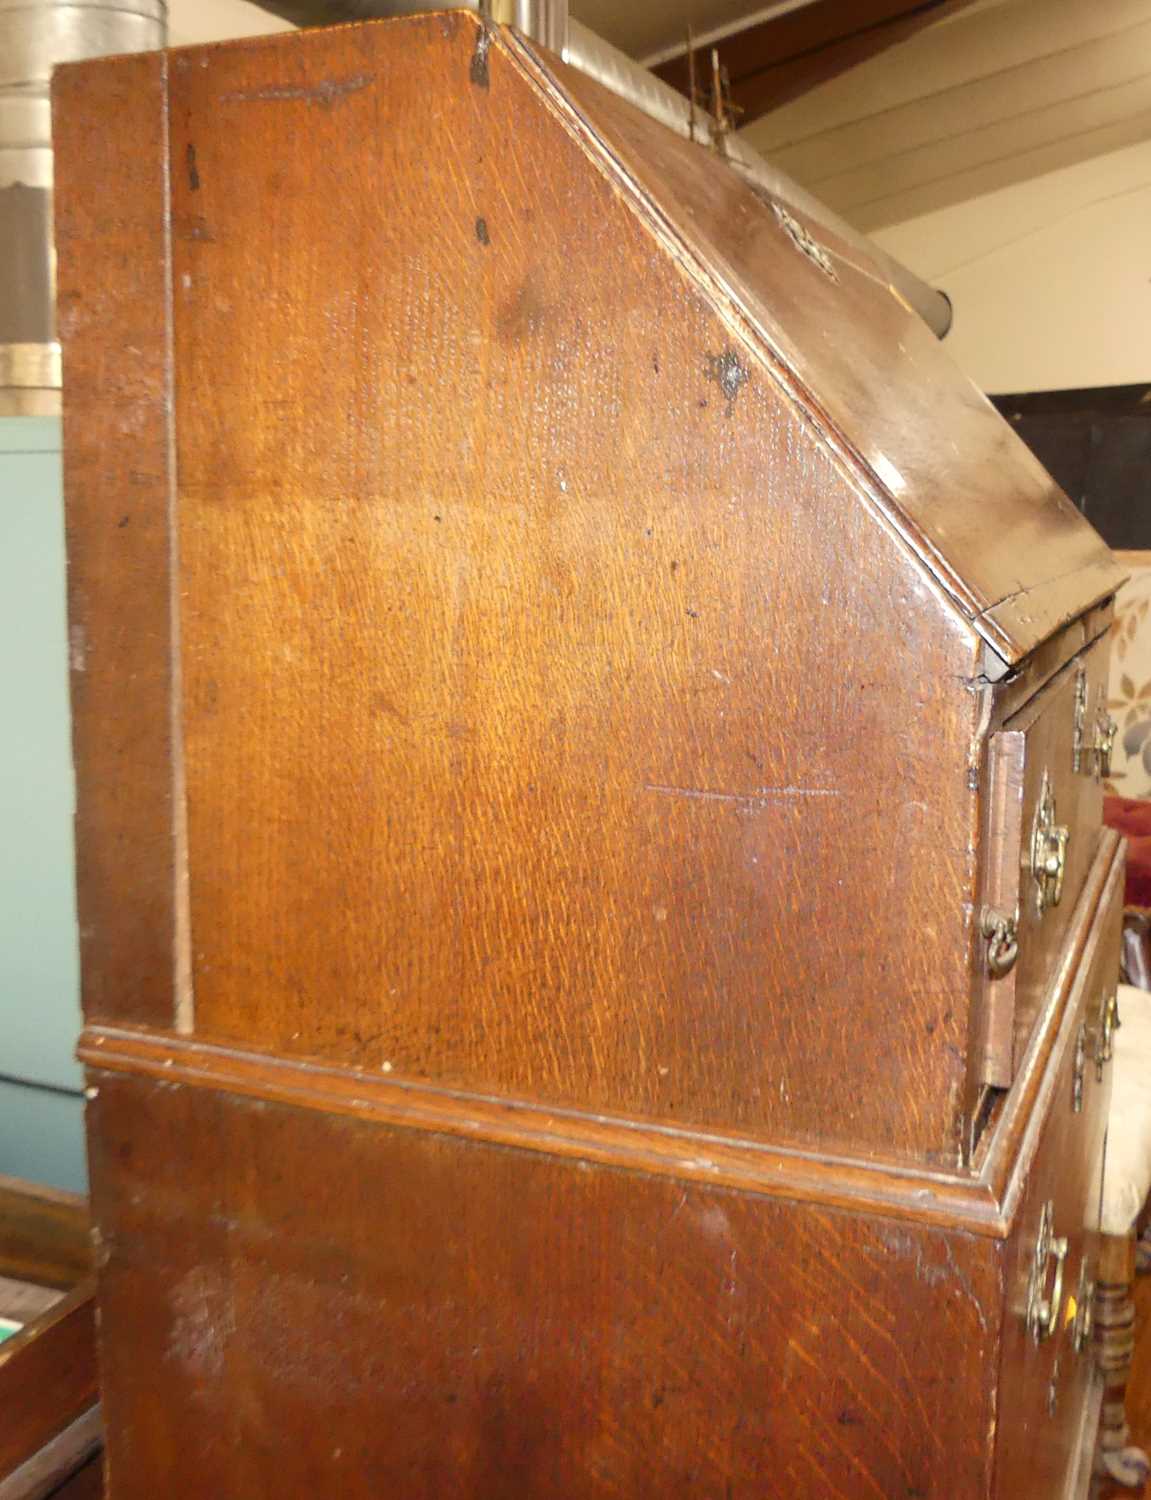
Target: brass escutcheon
1048, 851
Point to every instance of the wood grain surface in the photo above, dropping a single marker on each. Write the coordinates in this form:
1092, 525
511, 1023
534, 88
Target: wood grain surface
111, 242
979, 1197
513, 1325
936, 453
534, 692
561, 596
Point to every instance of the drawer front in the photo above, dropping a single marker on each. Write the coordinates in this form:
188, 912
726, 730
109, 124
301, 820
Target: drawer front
1044, 820
1048, 1374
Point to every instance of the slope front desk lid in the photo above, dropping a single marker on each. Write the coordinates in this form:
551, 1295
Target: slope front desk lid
1005, 543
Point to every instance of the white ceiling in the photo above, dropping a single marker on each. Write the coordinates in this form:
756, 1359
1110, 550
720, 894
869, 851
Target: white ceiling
193, 21
999, 94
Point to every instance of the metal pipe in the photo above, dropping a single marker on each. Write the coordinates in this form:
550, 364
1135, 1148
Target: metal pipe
35, 35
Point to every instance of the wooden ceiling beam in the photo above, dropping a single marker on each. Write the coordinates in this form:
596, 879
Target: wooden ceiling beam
774, 61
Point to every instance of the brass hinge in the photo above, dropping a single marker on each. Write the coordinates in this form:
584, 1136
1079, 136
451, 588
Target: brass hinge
1094, 737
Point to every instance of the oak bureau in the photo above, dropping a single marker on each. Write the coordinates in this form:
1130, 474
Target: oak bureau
599, 946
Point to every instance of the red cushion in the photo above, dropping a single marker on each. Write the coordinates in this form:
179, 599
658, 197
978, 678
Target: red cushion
1132, 816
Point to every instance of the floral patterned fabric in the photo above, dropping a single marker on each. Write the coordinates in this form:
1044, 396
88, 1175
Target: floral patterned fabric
1130, 686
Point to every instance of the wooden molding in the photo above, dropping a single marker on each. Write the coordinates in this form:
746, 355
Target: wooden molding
982, 1202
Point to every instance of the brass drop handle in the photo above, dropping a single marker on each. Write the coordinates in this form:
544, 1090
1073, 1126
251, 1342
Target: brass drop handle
1105, 731
1002, 934
1048, 851
1043, 1311
1080, 1065
1109, 1024
1084, 1311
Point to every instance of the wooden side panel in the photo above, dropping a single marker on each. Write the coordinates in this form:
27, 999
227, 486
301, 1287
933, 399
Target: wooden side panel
545, 680
1017, 555
297, 1305
111, 209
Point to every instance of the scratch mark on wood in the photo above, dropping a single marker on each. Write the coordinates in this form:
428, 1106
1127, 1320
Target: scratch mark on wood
964, 1282
193, 173
763, 796
326, 93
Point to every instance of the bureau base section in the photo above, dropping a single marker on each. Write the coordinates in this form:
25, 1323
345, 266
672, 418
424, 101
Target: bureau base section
298, 1304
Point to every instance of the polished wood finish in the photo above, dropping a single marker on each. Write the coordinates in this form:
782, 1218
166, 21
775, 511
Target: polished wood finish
982, 1200
561, 1331
563, 742
556, 874
555, 710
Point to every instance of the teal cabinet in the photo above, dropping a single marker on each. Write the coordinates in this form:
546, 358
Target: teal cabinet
41, 1127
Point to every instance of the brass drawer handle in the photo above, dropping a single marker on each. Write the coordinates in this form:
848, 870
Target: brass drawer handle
1049, 842
1084, 1324
1080, 1065
1002, 934
1043, 1311
1109, 1024
1105, 732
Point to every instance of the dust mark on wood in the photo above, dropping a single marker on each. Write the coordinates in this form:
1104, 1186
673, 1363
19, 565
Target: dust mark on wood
193, 227
482, 232
729, 373
193, 173
326, 93
763, 796
78, 648
478, 72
